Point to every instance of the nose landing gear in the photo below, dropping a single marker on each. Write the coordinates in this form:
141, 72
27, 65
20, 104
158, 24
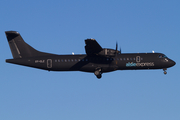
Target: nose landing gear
98, 73
165, 72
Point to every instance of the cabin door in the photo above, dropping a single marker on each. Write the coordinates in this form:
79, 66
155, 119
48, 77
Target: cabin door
138, 59
49, 63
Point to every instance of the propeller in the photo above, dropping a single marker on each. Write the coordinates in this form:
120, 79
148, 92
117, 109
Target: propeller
116, 46
116, 52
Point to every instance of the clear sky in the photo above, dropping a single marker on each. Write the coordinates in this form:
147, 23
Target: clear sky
61, 26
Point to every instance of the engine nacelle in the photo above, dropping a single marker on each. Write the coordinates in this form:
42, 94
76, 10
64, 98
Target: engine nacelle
108, 52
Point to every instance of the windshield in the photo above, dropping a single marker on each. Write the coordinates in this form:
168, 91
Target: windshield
162, 56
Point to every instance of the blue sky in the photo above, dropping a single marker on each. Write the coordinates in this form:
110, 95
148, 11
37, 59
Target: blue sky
61, 26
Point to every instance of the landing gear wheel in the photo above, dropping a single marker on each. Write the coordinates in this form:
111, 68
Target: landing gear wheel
98, 73
165, 72
99, 76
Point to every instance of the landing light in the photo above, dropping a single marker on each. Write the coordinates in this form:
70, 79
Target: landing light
153, 51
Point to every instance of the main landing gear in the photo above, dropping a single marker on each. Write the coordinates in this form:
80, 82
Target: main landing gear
98, 73
165, 72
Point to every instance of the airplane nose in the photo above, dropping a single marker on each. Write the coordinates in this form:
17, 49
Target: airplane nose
172, 63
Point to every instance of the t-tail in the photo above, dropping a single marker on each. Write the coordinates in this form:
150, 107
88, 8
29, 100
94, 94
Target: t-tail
19, 48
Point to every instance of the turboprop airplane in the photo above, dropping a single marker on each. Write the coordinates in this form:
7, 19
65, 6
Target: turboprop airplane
97, 60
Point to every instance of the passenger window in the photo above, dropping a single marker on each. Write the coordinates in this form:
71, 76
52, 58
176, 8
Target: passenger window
127, 58
61, 60
55, 60
124, 58
120, 58
65, 60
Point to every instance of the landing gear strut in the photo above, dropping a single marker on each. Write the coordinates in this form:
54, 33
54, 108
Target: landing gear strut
165, 72
98, 73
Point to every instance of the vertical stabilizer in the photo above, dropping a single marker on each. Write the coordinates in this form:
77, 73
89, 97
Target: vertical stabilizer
19, 48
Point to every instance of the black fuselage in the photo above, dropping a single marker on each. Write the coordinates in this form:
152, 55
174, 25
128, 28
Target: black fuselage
97, 60
91, 63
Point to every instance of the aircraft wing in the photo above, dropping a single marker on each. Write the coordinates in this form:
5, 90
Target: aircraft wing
92, 47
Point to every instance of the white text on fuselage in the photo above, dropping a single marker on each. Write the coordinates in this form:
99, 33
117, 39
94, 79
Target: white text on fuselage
131, 64
39, 61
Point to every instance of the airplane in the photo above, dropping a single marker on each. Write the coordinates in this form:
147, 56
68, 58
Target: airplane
97, 60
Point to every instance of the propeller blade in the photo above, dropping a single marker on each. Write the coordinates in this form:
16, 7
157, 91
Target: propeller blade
116, 52
116, 47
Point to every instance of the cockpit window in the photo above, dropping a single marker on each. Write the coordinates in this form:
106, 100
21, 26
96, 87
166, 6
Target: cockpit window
162, 56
